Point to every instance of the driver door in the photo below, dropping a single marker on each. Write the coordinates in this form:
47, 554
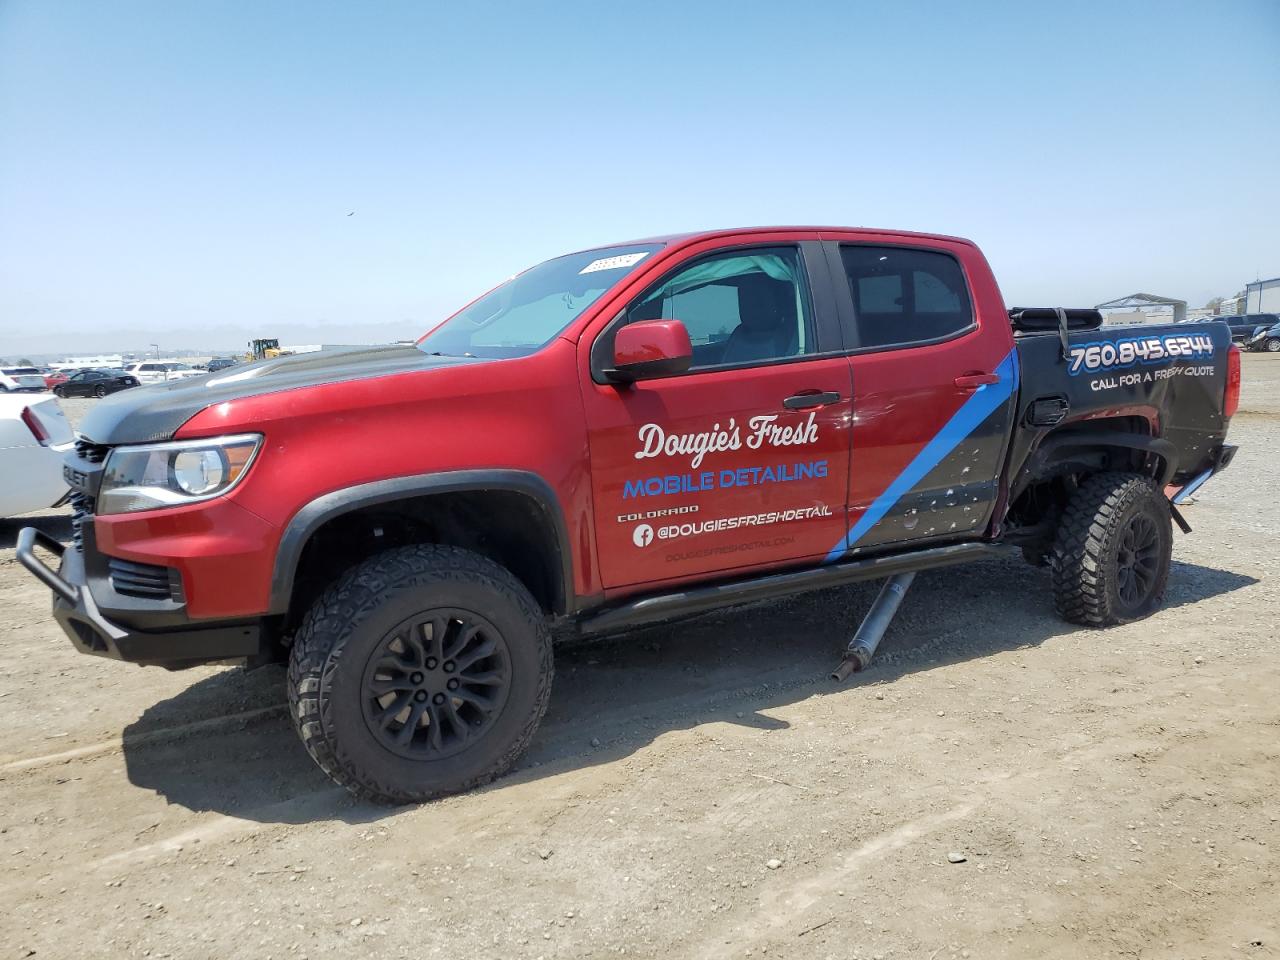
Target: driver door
743, 460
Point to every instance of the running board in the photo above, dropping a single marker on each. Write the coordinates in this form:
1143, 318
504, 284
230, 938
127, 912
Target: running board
663, 606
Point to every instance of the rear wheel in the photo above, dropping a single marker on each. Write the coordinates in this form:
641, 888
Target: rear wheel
1110, 560
421, 672
1273, 345
59, 392
99, 391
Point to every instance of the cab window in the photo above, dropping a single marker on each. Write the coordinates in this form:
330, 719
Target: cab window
903, 296
740, 307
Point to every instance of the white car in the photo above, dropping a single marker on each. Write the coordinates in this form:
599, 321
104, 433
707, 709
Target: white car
34, 435
21, 380
158, 371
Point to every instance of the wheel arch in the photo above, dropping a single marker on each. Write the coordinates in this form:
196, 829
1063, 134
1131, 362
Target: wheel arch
1080, 441
551, 580
1065, 455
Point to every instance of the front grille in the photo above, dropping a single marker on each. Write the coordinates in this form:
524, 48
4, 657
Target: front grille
81, 517
144, 580
82, 505
93, 452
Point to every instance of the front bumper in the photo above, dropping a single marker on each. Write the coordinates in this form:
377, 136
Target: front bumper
173, 644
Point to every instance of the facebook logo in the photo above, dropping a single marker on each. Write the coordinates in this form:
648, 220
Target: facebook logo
642, 536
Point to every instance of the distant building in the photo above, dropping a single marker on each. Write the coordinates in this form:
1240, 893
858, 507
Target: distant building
1142, 308
1262, 296
78, 363
1231, 306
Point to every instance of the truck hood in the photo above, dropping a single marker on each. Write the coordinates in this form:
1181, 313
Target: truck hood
155, 411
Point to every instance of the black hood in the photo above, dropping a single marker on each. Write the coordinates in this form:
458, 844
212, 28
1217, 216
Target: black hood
154, 412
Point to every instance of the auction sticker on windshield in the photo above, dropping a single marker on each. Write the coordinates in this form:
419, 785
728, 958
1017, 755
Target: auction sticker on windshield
614, 263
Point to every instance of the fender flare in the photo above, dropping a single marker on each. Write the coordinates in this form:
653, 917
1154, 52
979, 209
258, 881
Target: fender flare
1056, 445
299, 530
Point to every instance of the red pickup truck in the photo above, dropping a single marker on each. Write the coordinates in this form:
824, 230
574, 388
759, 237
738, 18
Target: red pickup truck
615, 437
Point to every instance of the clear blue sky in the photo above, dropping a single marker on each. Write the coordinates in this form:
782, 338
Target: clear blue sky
176, 167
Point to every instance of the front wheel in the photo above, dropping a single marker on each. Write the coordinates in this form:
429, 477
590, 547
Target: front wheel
422, 671
1110, 560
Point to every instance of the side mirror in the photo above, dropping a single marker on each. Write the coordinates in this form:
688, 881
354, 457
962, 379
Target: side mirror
650, 348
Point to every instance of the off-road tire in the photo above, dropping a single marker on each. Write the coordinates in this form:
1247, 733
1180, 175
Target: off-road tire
348, 624
1085, 564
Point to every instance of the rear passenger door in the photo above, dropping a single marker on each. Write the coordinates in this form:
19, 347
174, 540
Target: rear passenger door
933, 393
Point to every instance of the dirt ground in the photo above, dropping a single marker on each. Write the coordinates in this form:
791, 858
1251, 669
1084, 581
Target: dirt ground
703, 790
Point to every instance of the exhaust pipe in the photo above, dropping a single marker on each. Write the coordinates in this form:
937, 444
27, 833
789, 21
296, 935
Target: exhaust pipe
864, 643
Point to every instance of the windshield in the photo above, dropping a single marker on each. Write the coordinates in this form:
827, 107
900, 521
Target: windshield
529, 310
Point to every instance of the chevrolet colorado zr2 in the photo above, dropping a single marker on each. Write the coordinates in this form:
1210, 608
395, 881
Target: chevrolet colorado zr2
617, 437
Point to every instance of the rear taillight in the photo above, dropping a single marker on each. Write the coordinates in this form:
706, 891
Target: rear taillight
1231, 401
35, 426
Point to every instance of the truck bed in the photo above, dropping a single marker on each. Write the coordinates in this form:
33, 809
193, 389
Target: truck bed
1168, 380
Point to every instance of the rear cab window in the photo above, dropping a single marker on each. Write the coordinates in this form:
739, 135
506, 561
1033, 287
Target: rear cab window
904, 296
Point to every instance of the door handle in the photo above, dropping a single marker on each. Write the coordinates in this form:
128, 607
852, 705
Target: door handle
972, 381
802, 401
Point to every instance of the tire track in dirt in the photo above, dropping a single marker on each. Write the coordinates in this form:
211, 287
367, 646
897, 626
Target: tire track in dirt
105, 748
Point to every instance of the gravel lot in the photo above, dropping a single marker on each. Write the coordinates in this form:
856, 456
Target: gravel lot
703, 790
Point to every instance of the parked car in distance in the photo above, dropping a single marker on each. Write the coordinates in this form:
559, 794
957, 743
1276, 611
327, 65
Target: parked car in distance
55, 377
1244, 326
158, 371
34, 438
95, 383
1265, 339
220, 363
21, 380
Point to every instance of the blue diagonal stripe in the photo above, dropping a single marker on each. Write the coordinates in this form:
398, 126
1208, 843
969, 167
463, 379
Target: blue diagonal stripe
963, 422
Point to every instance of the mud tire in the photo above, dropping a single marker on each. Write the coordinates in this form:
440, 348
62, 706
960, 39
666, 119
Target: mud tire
348, 624
1094, 546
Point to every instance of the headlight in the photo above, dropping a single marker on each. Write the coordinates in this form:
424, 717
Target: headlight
155, 475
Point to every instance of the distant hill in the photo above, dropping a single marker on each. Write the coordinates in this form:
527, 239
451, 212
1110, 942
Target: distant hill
28, 340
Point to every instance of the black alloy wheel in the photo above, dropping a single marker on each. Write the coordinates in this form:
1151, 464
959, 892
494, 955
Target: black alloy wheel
100, 391
1113, 550
420, 672
1137, 561
436, 683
